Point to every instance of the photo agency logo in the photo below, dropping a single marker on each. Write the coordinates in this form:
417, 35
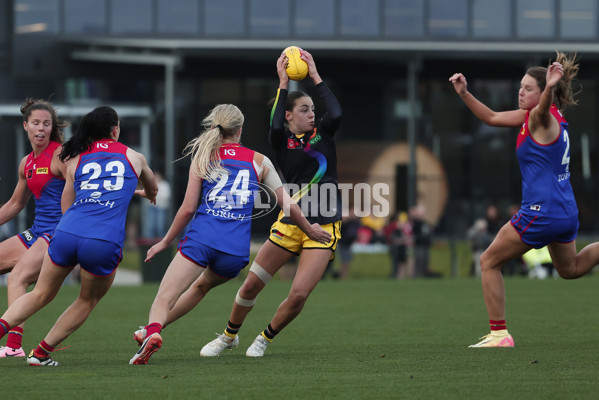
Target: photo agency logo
245, 199
322, 199
368, 200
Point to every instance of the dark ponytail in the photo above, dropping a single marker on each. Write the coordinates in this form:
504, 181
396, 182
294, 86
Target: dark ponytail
95, 125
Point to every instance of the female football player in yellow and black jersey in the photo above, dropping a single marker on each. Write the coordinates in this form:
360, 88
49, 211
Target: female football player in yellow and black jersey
306, 155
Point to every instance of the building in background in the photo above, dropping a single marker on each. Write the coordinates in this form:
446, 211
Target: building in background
388, 61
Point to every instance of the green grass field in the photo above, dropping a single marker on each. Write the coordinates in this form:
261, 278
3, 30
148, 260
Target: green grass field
356, 339
364, 265
377, 265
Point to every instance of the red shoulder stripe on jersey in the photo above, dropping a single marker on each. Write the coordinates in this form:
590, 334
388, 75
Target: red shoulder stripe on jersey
525, 132
112, 146
236, 151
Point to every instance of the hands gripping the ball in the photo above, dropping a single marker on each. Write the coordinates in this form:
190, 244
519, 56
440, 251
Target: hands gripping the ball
296, 63
283, 77
312, 71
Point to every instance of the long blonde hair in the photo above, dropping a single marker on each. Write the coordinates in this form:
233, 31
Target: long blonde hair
223, 122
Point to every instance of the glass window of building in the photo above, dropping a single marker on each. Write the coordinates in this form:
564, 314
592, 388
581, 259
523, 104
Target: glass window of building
359, 17
36, 16
3, 26
404, 18
448, 18
491, 19
578, 19
314, 17
130, 17
224, 17
269, 18
535, 18
178, 16
84, 16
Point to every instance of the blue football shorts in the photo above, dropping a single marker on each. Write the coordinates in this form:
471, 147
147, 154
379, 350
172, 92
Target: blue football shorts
96, 256
221, 263
539, 231
30, 236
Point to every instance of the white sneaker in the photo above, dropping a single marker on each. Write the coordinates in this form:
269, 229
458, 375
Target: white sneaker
222, 342
40, 362
258, 347
495, 339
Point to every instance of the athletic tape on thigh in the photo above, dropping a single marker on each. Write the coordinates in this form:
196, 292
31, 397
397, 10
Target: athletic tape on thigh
260, 272
243, 302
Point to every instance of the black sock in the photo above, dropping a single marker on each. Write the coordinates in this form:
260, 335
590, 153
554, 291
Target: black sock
232, 329
270, 332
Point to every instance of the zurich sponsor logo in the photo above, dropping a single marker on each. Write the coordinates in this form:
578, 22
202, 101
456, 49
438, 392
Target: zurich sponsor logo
95, 195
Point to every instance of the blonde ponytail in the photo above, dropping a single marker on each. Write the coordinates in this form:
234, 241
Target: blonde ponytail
204, 154
223, 122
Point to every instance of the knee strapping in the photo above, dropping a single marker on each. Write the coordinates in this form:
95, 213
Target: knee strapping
260, 272
243, 302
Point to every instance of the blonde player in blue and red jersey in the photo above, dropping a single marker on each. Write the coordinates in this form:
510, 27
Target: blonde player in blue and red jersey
306, 154
548, 215
224, 179
41, 173
101, 178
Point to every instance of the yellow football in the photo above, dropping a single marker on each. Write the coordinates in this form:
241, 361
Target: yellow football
296, 68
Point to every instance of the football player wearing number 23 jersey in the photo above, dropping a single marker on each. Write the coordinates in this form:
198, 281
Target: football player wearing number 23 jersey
101, 178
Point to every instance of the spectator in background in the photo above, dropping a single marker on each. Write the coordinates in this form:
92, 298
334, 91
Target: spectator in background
480, 238
155, 221
349, 233
422, 232
493, 219
375, 226
398, 233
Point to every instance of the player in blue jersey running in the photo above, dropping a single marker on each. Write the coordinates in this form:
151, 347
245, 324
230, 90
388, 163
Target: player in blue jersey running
224, 180
41, 174
548, 215
101, 178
